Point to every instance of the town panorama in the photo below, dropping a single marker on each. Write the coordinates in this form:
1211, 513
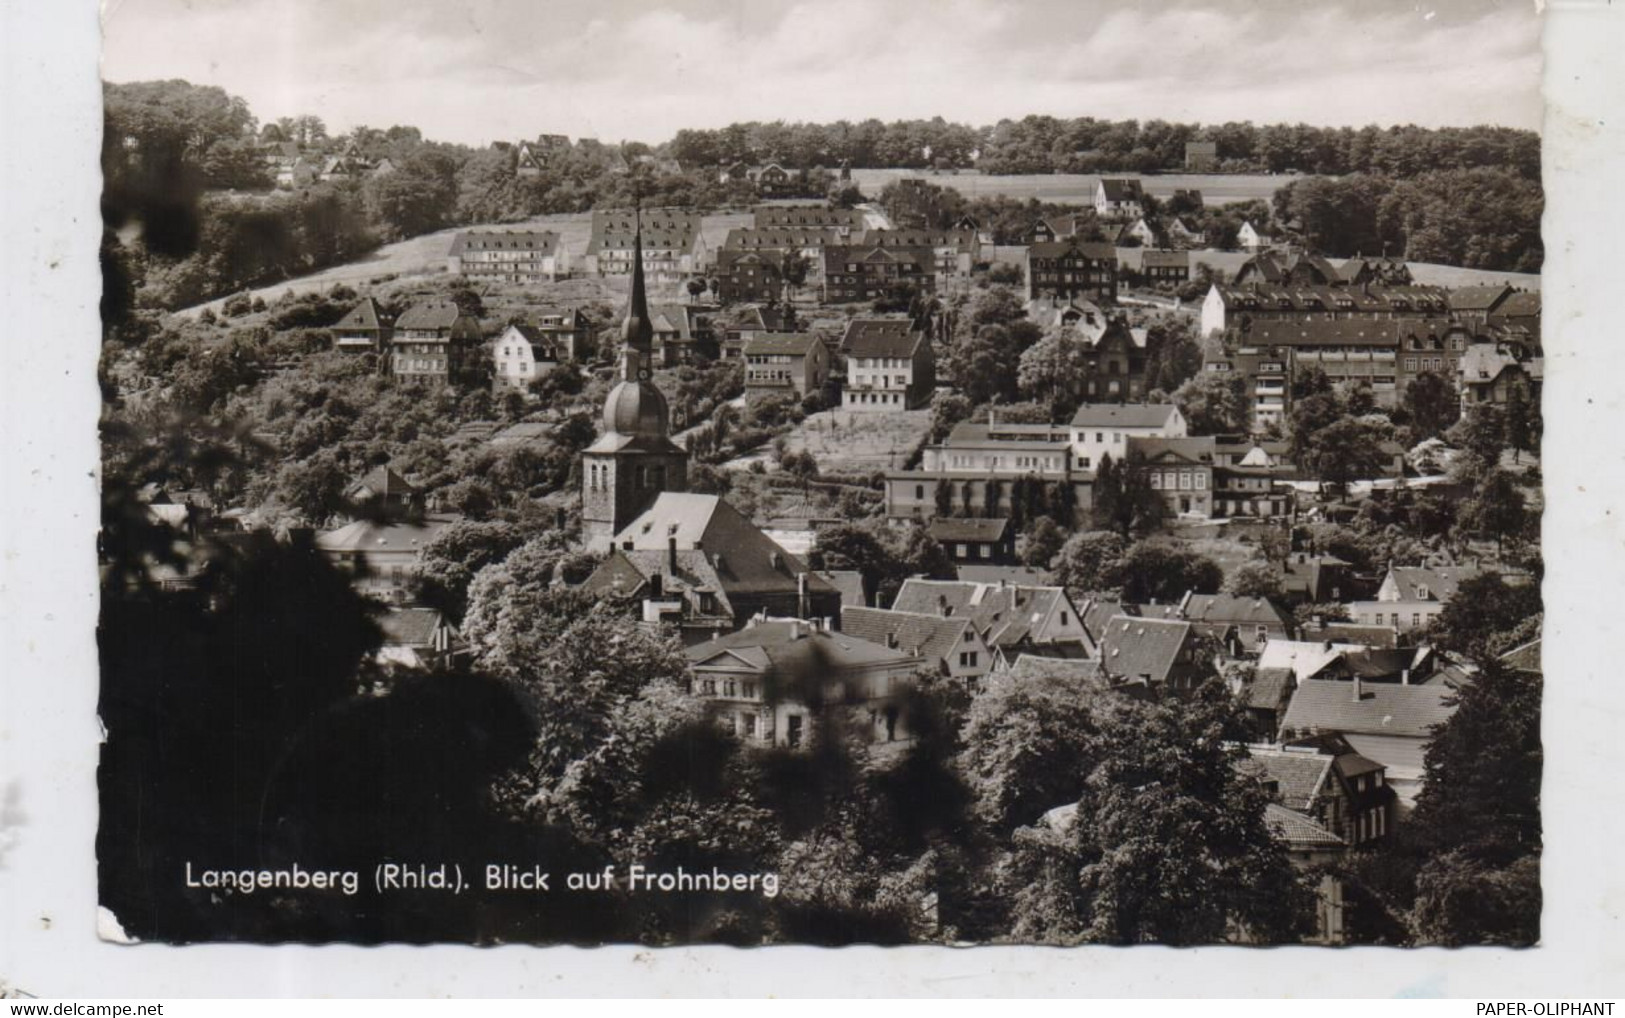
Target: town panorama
1063, 531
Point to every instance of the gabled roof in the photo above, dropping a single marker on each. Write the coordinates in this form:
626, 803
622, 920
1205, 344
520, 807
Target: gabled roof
779, 238
838, 256
1032, 666
796, 647
410, 627
1269, 689
869, 328
848, 581
366, 315
1121, 189
1124, 415
949, 528
1440, 582
430, 315
962, 239
1382, 708
1004, 614
722, 542
1099, 251
1143, 648
382, 480
1302, 658
1299, 776
368, 536
1479, 298
1197, 450
930, 636
882, 343
542, 242
1297, 831
797, 344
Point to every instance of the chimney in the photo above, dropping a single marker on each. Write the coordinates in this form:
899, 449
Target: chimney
671, 552
801, 595
656, 586
1405, 676
1357, 690
891, 640
795, 630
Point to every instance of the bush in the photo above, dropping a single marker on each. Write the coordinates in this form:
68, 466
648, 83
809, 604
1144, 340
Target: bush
237, 305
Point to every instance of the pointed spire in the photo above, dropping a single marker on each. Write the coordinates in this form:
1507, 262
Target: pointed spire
637, 332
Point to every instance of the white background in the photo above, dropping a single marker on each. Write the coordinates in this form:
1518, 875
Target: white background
49, 142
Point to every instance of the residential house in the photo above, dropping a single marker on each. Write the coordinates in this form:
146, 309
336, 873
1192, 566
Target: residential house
436, 343
382, 556
1249, 482
1099, 430
1253, 621
527, 163
1265, 697
1389, 724
743, 274
1264, 375
887, 369
952, 644
694, 562
1183, 233
1229, 307
1142, 231
522, 354
1072, 268
1318, 579
1119, 198
777, 243
1411, 597
367, 328
384, 494
684, 333
1010, 618
672, 244
567, 331
1249, 238
853, 274
1165, 267
975, 540
417, 639
1287, 267
1082, 315
1490, 375
506, 256
1473, 305
850, 584
796, 363
954, 252
741, 325
1180, 468
1520, 310
1201, 156
1384, 271
769, 682
807, 215
1160, 654
1324, 778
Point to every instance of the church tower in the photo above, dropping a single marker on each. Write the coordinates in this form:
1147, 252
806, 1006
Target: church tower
634, 460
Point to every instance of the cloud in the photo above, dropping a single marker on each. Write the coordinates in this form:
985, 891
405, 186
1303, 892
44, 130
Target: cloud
484, 69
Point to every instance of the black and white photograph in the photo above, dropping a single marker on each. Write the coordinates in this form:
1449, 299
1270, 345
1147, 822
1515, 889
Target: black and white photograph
821, 473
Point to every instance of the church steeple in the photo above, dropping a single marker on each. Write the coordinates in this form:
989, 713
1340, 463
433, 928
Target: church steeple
637, 331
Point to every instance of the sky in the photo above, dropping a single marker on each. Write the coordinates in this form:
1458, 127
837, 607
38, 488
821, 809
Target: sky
474, 71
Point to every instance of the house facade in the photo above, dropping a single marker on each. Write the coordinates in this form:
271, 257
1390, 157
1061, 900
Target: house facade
1069, 269
506, 256
795, 363
888, 371
1180, 468
1104, 429
435, 343
367, 328
1119, 198
522, 354
854, 274
954, 645
669, 247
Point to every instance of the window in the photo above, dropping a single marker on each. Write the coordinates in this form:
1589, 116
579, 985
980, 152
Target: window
793, 730
919, 491
748, 690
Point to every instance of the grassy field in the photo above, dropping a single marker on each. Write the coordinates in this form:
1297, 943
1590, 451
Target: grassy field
850, 441
1079, 188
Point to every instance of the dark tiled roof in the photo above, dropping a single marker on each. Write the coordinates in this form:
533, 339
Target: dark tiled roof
1478, 298
1270, 688
947, 528
972, 573
410, 627
1298, 831
1003, 615
438, 315
540, 241
778, 238
1121, 188
1382, 709
1149, 648
1440, 582
1097, 250
930, 636
1299, 776
797, 647
882, 344
367, 536
383, 480
1123, 415
1193, 450
796, 343
865, 328
848, 581
366, 315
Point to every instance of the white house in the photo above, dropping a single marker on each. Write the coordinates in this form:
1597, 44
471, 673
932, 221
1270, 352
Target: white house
1249, 237
1102, 429
522, 354
1119, 198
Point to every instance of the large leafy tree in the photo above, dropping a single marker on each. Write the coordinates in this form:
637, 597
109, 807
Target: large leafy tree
1169, 843
1214, 404
1432, 404
1087, 562
1158, 571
